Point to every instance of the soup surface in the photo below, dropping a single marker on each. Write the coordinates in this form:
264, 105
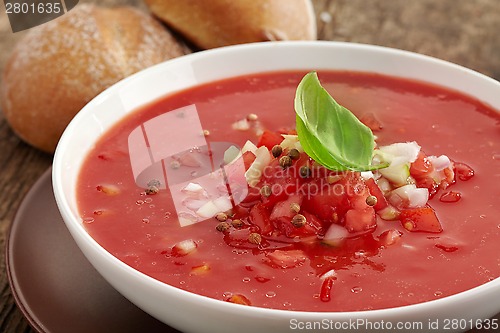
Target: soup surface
142, 228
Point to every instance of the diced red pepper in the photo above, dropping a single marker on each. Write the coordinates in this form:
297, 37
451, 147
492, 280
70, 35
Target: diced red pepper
420, 219
238, 299
326, 289
269, 139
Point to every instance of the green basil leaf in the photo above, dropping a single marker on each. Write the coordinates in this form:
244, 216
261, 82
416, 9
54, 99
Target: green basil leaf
329, 133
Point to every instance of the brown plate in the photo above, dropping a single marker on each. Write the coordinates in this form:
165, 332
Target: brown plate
54, 285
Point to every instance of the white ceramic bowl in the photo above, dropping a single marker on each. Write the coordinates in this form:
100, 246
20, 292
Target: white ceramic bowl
189, 312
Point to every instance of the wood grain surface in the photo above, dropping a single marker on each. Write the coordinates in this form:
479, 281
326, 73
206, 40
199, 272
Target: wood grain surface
465, 32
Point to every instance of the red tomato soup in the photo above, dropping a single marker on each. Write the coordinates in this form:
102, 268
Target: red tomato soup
256, 259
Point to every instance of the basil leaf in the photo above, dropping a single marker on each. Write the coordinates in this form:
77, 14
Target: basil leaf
329, 133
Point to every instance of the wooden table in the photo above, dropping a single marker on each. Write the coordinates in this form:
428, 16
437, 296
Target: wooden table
464, 32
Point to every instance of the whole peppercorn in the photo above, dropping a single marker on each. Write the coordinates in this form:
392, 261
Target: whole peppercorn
255, 238
294, 154
305, 171
237, 223
152, 190
276, 151
223, 226
299, 221
222, 217
295, 207
285, 161
371, 200
266, 191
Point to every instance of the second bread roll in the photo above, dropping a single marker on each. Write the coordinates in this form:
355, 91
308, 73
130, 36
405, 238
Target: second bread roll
215, 23
60, 66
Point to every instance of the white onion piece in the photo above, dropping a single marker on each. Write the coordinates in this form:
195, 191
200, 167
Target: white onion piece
185, 247
254, 172
335, 235
399, 153
249, 146
290, 142
223, 203
384, 185
231, 154
208, 210
439, 163
410, 195
389, 213
367, 175
329, 274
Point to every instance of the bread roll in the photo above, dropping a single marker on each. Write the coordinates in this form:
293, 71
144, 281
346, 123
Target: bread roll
216, 23
60, 66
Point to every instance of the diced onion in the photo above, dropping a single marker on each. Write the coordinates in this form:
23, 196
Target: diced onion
367, 175
399, 153
231, 154
254, 172
185, 247
389, 213
223, 204
439, 163
329, 274
208, 210
335, 235
290, 142
411, 195
249, 146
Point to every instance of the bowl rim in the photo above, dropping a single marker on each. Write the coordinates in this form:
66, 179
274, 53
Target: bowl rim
73, 223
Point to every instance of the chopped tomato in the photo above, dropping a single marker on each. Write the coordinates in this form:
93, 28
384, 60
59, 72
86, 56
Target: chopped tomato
248, 158
286, 259
360, 220
377, 193
239, 299
421, 167
269, 139
420, 219
283, 208
390, 237
259, 216
328, 202
464, 172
